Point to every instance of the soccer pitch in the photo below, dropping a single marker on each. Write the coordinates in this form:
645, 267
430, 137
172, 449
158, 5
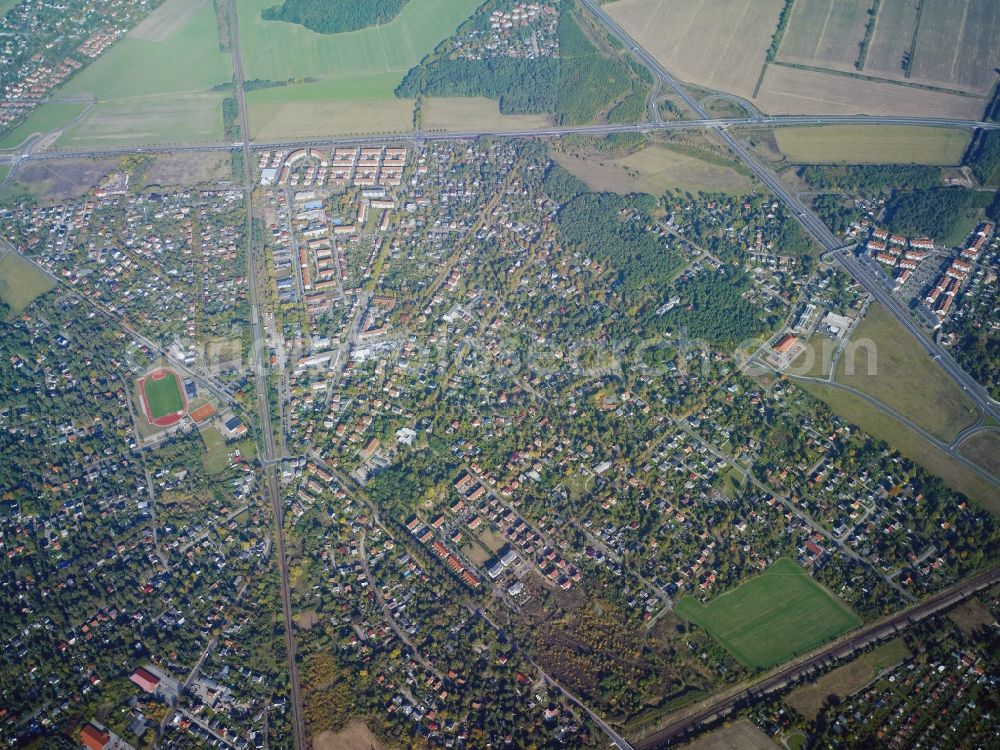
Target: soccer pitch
772, 617
162, 398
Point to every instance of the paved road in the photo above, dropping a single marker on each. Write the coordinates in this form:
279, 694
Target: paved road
259, 358
683, 728
704, 121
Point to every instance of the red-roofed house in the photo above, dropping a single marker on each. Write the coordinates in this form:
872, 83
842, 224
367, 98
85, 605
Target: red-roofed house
95, 737
145, 679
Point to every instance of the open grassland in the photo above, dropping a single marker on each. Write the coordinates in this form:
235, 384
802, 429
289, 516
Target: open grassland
913, 446
142, 121
216, 457
719, 44
872, 144
848, 679
46, 118
792, 90
885, 361
825, 33
457, 114
310, 118
894, 27
773, 617
278, 51
6, 5
983, 450
355, 736
653, 169
20, 282
741, 735
58, 181
958, 44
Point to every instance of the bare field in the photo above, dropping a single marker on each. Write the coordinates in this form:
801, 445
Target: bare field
872, 144
958, 44
893, 34
825, 33
64, 179
167, 20
653, 169
188, 169
355, 736
742, 735
303, 119
474, 113
790, 90
720, 44
971, 615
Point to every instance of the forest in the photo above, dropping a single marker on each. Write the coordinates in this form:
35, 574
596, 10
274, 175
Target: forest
870, 178
713, 308
576, 87
984, 158
327, 17
933, 212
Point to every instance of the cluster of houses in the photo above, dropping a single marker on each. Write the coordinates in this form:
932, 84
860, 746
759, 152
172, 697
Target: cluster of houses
898, 252
527, 30
345, 167
941, 296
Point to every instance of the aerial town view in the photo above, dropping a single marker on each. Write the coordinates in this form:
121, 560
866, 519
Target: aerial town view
388, 374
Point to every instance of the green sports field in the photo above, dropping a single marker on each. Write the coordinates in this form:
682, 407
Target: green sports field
20, 282
163, 396
773, 617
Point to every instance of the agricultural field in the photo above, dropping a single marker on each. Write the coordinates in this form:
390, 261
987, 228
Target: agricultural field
653, 169
157, 85
162, 399
848, 679
20, 282
892, 38
472, 113
913, 446
149, 120
872, 144
279, 51
718, 44
958, 44
352, 76
48, 117
825, 33
885, 362
792, 90
772, 617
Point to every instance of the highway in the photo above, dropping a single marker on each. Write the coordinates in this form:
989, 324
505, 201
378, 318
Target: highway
704, 121
259, 360
727, 704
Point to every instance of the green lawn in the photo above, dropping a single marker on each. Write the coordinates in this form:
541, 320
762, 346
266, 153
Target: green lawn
20, 282
49, 116
773, 617
163, 395
216, 457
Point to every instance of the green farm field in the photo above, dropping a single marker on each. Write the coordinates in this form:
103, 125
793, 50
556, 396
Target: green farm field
899, 373
20, 282
157, 84
46, 118
872, 144
278, 51
460, 113
773, 617
163, 395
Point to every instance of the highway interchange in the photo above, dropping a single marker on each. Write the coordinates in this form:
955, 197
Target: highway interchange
38, 150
